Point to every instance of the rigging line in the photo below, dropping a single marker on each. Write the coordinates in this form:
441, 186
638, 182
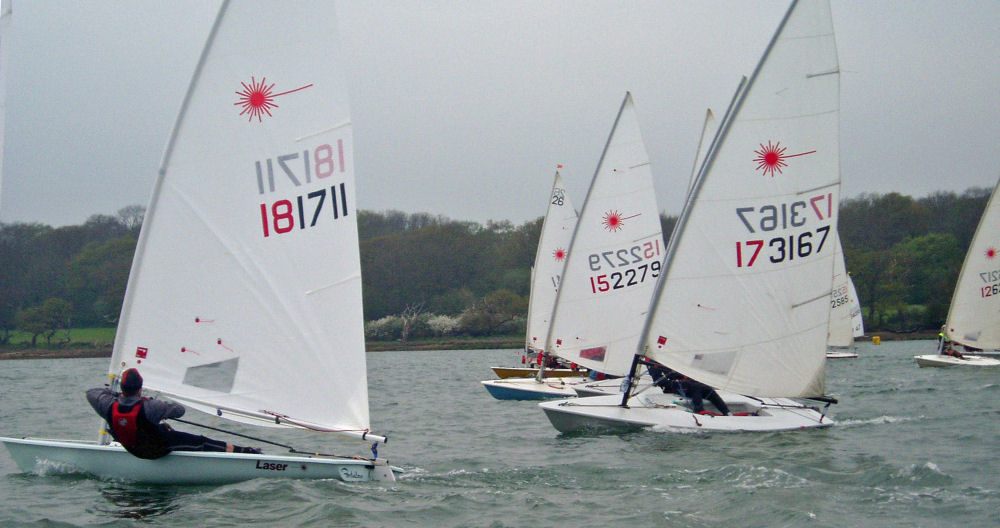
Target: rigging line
196, 424
286, 446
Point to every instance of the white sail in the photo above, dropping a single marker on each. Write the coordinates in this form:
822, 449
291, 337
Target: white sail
841, 333
550, 258
708, 131
614, 258
974, 316
857, 320
5, 15
744, 302
244, 297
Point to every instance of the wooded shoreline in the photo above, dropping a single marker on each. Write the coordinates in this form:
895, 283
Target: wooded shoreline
498, 343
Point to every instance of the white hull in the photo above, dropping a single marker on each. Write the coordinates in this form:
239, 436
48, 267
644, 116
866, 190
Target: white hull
185, 467
941, 360
843, 353
667, 413
531, 388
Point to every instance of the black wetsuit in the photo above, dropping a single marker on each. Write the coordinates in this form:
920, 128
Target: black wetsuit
673, 381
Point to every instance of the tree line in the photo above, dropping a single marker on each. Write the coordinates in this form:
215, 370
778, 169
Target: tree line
428, 275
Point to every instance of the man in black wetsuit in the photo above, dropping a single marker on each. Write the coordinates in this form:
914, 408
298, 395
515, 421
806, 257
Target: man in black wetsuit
135, 422
673, 381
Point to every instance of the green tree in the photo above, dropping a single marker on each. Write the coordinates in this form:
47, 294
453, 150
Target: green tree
96, 278
495, 313
45, 320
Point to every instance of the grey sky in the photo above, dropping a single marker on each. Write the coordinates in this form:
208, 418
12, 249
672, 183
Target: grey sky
465, 108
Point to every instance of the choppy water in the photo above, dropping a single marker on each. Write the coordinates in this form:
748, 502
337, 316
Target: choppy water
913, 447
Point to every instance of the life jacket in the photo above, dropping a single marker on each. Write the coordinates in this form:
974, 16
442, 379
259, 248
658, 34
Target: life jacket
135, 433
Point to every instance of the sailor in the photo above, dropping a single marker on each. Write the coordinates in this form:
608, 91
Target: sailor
135, 422
673, 381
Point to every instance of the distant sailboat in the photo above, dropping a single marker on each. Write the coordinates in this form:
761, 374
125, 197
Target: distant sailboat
546, 274
244, 298
974, 315
845, 313
611, 270
744, 301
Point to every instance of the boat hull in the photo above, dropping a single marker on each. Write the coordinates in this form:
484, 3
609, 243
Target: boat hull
185, 467
847, 353
530, 388
666, 413
941, 360
527, 372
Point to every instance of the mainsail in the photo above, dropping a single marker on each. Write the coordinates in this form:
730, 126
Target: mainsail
841, 305
744, 303
244, 298
974, 316
550, 258
857, 320
614, 258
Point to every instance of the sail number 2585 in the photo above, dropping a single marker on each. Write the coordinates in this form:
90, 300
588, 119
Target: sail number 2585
783, 248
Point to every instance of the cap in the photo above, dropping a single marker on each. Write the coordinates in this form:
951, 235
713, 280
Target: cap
131, 381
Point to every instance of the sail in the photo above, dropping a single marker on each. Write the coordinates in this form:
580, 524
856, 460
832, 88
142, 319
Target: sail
974, 316
244, 297
857, 320
841, 333
5, 15
708, 130
550, 257
614, 258
744, 303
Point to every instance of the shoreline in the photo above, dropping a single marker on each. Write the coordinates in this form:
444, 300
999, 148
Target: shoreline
373, 346
499, 343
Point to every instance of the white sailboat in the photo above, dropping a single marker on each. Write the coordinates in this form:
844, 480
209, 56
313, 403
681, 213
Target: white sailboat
844, 309
613, 264
615, 386
974, 316
244, 298
546, 274
743, 304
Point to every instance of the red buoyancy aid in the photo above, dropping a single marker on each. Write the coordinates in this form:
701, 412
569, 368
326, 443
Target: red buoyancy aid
135, 433
125, 423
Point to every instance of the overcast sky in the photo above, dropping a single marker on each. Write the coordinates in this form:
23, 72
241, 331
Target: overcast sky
464, 108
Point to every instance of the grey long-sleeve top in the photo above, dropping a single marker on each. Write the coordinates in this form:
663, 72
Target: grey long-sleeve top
101, 399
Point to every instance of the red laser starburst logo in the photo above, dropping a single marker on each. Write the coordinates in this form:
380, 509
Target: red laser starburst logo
991, 253
559, 254
772, 158
614, 221
256, 98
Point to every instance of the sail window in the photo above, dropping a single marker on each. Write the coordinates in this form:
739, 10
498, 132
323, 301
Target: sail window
216, 376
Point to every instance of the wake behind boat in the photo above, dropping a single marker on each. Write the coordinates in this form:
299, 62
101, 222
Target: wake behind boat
227, 310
